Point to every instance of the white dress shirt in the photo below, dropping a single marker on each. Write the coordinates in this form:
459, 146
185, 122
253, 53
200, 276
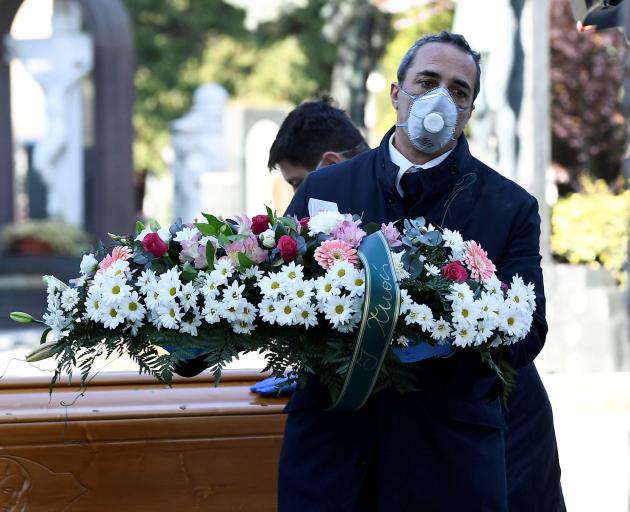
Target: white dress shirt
405, 165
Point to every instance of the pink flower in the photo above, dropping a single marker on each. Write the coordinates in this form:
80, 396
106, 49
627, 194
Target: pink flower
331, 251
303, 222
455, 271
119, 253
391, 234
288, 248
478, 262
244, 225
348, 231
249, 247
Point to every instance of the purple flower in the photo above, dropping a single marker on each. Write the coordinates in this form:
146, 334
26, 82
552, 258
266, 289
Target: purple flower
348, 231
391, 234
249, 247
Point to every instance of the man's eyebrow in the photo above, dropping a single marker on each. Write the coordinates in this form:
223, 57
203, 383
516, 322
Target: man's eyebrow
434, 74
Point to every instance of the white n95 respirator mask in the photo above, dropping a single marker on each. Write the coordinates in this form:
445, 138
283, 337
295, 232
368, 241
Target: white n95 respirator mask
431, 120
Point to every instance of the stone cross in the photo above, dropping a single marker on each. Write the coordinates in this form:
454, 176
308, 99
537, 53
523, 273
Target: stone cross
58, 64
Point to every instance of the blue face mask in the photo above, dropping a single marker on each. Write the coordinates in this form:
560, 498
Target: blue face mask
431, 120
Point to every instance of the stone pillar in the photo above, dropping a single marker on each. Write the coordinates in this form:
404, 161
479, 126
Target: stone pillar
59, 64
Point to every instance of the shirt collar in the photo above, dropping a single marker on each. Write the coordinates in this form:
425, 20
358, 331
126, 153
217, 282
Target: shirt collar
404, 164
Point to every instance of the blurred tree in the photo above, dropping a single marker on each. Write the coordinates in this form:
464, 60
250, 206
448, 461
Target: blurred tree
588, 130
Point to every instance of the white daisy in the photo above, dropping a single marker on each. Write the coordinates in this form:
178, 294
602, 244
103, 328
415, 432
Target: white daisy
465, 312
341, 273
326, 288
425, 318
300, 292
211, 311
69, 299
511, 320
441, 330
115, 290
188, 296
285, 313
431, 269
253, 272
405, 301
93, 306
224, 267
169, 286
111, 316
211, 285
228, 309
493, 285
454, 240
402, 341
88, 266
246, 312
146, 281
459, 292
464, 335
152, 299
306, 315
271, 286
133, 309
268, 310
189, 324
135, 326
292, 272
118, 268
242, 327
169, 315
338, 309
234, 291
399, 268
346, 327
356, 284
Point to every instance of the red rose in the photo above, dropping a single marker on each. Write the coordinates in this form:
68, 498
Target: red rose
260, 223
155, 245
304, 223
455, 271
288, 248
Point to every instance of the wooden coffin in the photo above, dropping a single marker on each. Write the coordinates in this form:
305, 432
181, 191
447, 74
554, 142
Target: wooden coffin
130, 443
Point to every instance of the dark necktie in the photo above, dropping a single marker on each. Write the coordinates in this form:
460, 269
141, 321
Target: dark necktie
411, 185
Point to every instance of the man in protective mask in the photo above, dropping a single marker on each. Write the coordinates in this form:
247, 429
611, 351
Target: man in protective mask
444, 448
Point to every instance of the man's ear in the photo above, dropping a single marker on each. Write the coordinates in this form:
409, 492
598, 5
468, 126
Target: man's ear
393, 94
330, 158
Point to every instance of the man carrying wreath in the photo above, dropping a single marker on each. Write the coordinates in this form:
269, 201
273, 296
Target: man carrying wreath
442, 448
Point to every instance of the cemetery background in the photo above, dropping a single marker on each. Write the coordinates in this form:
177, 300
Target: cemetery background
207, 107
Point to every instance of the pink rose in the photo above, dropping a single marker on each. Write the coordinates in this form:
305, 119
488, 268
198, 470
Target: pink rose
260, 223
153, 244
288, 248
455, 271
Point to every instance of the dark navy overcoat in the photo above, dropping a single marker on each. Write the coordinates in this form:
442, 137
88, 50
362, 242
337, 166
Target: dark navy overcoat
450, 447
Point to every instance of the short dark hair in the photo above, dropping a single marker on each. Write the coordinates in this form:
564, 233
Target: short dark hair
310, 130
456, 40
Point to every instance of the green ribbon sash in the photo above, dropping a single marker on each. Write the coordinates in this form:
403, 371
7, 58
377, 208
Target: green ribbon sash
380, 313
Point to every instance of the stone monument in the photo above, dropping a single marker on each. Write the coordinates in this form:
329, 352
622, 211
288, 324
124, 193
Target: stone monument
199, 145
59, 64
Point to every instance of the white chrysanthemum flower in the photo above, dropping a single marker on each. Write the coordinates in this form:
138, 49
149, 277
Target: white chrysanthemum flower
338, 309
53, 300
69, 299
271, 286
399, 268
228, 309
234, 291
135, 326
306, 315
253, 272
346, 327
246, 312
112, 316
115, 290
211, 285
93, 306
511, 319
425, 318
292, 272
431, 269
484, 331
56, 320
460, 292
133, 309
341, 273
242, 327
188, 296
286, 313
224, 267
186, 234
402, 341
88, 266
454, 240
163, 233
493, 285
147, 281
53, 284
465, 312
405, 301
519, 294
488, 306
189, 324
326, 289
268, 310
169, 315
464, 335
169, 287
299, 292
441, 330
530, 296
324, 222
211, 311
152, 299
356, 284
118, 268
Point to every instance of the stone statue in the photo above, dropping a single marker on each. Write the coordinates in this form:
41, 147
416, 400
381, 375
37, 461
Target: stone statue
199, 144
58, 64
